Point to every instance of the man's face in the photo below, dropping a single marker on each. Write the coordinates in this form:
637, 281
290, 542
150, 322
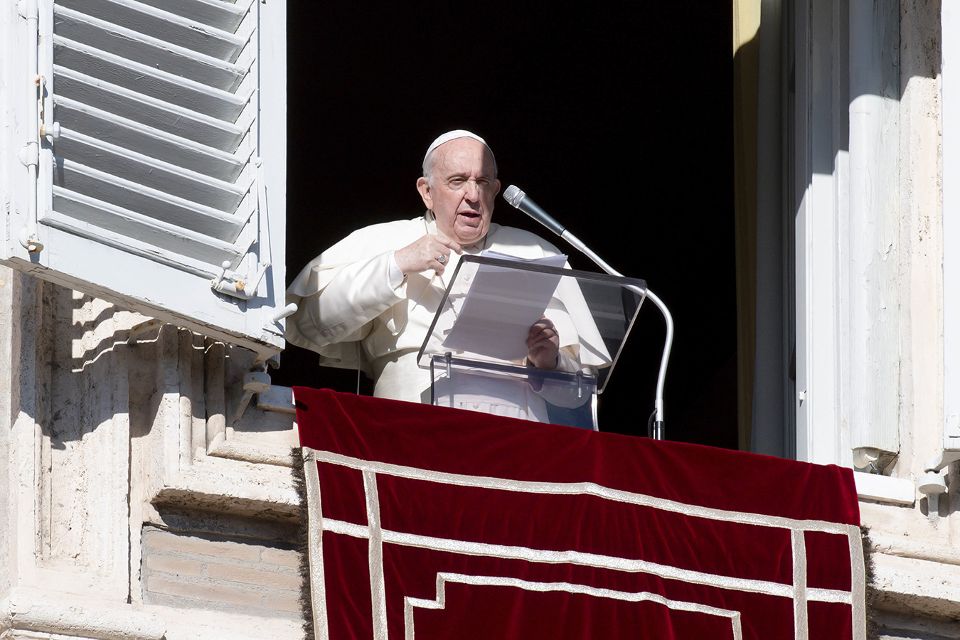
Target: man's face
461, 189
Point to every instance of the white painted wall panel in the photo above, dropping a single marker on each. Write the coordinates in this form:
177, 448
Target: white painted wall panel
950, 114
870, 247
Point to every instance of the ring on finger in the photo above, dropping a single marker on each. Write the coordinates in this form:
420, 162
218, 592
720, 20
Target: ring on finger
442, 259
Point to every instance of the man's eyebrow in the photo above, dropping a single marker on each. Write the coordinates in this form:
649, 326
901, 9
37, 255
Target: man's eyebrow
466, 176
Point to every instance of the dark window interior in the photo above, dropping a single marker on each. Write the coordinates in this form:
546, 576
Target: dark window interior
616, 119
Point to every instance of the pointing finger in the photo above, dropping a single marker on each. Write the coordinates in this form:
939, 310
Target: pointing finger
452, 244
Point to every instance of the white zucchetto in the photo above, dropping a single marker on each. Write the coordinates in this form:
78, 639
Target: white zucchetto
452, 135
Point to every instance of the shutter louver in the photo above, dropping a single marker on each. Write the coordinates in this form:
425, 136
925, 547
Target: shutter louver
156, 147
149, 163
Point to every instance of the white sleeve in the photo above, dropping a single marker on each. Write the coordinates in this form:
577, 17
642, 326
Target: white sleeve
394, 275
358, 293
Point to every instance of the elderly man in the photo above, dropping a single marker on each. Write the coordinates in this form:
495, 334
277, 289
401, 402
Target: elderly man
368, 301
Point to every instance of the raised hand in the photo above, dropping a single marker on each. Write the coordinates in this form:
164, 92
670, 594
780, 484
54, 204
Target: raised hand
427, 252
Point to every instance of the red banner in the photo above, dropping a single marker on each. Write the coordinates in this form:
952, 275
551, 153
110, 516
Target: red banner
437, 523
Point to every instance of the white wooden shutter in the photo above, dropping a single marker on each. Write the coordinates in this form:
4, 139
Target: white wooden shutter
161, 166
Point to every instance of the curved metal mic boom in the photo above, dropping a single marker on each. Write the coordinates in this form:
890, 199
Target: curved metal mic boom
517, 198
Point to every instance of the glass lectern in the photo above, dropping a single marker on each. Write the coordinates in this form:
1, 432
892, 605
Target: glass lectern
476, 346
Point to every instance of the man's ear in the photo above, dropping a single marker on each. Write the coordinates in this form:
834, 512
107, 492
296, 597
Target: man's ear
496, 187
423, 186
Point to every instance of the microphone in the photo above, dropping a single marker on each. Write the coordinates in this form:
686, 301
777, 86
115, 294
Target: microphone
517, 198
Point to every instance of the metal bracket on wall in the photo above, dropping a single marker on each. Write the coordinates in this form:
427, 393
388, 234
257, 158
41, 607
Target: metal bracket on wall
253, 382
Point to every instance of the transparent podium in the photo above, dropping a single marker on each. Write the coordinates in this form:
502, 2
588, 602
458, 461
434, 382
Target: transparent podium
476, 348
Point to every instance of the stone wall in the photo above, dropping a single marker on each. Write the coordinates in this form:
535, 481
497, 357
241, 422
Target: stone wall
142, 493
211, 571
915, 552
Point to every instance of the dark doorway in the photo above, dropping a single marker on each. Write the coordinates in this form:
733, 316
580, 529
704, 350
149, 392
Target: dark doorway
616, 119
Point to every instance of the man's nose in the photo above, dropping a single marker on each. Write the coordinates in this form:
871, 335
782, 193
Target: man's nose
471, 190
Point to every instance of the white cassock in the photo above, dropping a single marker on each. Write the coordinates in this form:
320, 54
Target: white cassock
352, 317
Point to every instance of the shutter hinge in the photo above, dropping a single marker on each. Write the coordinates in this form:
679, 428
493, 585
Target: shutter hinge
30, 241
52, 132
29, 154
236, 285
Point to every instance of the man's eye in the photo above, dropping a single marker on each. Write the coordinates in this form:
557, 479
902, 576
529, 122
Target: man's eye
456, 182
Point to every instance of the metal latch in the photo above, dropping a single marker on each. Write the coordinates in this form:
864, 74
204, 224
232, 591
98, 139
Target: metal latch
273, 324
236, 285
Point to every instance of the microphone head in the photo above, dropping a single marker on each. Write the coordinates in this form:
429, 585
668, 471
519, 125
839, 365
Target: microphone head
514, 196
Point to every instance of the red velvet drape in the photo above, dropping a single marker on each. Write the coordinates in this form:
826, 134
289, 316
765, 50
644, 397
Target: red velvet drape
454, 524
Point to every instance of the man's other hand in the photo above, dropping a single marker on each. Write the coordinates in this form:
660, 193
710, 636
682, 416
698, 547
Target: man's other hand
543, 344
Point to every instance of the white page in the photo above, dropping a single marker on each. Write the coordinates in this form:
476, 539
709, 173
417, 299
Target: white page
500, 307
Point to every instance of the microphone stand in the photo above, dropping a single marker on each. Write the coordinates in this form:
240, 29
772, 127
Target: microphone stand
658, 425
518, 199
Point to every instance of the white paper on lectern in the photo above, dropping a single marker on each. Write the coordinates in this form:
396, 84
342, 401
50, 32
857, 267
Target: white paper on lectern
500, 307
